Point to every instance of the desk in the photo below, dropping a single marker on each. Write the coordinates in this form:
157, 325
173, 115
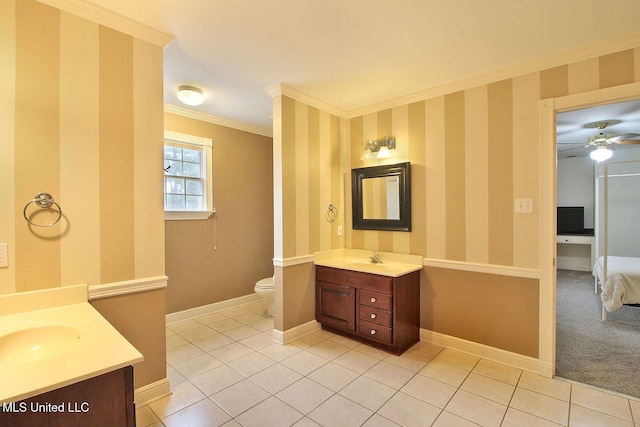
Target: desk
581, 258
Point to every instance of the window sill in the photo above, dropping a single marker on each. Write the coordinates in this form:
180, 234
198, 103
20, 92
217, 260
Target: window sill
187, 215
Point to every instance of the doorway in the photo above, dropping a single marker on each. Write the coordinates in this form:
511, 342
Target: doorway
588, 350
548, 280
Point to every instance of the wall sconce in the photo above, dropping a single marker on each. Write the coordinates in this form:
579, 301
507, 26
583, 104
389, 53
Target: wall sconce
190, 95
380, 146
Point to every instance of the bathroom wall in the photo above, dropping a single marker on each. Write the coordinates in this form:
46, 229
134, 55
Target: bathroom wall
81, 108
224, 256
472, 152
308, 177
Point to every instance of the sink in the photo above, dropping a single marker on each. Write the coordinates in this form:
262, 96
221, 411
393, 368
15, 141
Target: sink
34, 341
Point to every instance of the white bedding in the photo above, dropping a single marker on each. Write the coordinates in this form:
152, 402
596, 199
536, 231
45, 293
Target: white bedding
623, 281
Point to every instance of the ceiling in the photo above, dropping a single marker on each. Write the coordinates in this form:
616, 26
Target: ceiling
573, 128
352, 54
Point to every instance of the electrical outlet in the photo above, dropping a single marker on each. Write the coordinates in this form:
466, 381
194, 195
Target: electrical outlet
4, 255
524, 205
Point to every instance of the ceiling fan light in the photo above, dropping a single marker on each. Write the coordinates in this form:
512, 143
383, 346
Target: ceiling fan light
601, 154
190, 95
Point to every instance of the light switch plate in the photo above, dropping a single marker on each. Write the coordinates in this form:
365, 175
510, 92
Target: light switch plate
4, 255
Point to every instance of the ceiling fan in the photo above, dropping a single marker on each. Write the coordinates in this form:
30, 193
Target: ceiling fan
602, 140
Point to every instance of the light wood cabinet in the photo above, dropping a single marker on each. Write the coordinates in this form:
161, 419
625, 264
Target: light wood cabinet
379, 310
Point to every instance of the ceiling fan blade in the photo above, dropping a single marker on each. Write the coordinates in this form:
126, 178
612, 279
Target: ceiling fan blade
564, 150
629, 142
625, 137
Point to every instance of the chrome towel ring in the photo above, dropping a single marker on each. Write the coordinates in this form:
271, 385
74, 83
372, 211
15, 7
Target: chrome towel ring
332, 213
43, 200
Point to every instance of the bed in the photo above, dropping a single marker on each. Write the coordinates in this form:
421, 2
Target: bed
622, 284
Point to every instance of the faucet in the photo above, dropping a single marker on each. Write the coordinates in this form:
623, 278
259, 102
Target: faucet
375, 258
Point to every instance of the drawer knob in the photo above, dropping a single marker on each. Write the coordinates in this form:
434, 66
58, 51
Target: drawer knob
373, 315
373, 332
373, 300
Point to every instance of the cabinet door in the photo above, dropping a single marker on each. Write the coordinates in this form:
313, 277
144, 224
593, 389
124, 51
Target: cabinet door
336, 305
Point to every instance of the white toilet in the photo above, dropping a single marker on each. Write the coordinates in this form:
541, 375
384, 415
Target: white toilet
264, 288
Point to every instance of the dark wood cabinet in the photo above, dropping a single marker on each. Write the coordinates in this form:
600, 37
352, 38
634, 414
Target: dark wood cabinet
106, 400
379, 310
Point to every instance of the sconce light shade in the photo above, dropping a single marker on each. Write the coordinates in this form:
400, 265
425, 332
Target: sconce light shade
601, 153
190, 95
384, 152
383, 147
367, 154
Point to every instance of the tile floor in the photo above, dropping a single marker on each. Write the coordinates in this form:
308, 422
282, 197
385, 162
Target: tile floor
225, 370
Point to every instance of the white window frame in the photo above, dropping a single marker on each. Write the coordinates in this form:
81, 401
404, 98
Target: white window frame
206, 145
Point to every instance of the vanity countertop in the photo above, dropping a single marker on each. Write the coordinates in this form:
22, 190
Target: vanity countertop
393, 264
53, 338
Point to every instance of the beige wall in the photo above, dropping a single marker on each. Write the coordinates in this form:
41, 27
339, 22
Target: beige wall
308, 177
140, 327
81, 108
242, 228
472, 153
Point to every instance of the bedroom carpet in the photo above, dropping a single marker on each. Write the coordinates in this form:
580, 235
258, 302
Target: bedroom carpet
588, 350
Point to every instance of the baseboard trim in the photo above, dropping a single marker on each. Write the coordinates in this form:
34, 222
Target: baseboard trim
289, 335
150, 392
508, 358
211, 308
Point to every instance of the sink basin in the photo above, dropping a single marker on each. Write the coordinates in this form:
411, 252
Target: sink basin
31, 342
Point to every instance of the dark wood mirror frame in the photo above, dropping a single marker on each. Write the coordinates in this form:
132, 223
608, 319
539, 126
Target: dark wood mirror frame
403, 172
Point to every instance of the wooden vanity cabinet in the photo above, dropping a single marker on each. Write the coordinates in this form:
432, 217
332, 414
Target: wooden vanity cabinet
379, 310
106, 400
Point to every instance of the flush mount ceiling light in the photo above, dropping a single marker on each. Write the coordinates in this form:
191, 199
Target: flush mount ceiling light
190, 95
383, 147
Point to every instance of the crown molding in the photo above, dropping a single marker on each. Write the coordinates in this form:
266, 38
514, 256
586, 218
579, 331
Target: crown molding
209, 118
108, 18
286, 90
564, 58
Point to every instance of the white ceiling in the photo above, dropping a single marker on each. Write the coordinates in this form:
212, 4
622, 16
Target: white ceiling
351, 54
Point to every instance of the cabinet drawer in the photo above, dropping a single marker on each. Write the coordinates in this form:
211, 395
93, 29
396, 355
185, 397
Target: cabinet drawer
375, 315
374, 332
375, 299
356, 279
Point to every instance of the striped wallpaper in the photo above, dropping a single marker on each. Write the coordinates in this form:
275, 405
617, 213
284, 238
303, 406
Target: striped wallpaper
309, 160
472, 153
86, 104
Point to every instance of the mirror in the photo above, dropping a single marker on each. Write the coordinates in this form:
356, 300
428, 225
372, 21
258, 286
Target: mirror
381, 197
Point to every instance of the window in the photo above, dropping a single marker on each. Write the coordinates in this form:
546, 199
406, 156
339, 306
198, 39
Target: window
188, 191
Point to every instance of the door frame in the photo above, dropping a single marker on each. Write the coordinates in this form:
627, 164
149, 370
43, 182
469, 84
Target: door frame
548, 108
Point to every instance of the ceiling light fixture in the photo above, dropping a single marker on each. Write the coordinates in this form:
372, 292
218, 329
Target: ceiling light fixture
190, 95
383, 147
601, 153
601, 142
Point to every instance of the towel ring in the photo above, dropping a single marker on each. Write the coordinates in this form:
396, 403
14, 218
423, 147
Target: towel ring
332, 213
43, 200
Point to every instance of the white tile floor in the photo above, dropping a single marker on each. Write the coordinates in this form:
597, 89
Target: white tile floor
224, 369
